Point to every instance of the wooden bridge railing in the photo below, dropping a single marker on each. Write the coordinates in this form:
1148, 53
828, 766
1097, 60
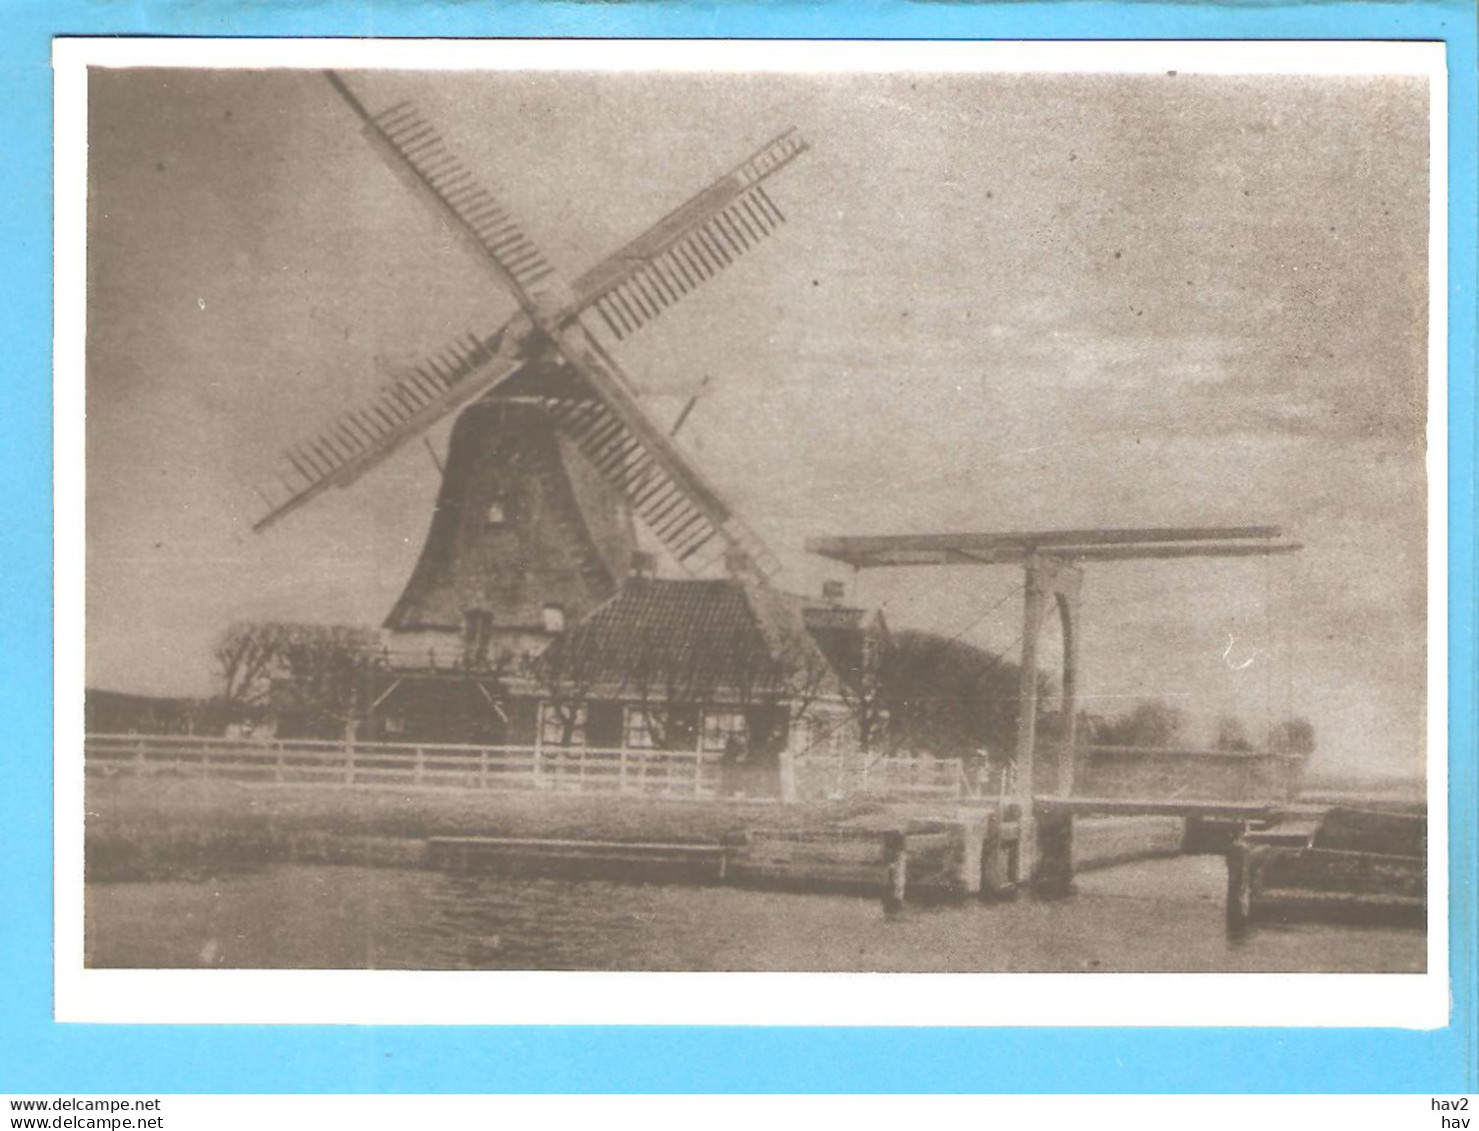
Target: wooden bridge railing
889, 777
1172, 772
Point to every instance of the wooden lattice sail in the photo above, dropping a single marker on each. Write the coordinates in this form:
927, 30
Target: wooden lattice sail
604, 420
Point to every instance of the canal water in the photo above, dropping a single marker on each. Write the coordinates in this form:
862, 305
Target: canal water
1160, 915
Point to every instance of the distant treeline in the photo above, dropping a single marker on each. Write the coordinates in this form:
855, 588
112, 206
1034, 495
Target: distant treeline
928, 694
117, 712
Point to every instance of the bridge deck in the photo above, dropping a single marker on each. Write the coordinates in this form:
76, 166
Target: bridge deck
1174, 807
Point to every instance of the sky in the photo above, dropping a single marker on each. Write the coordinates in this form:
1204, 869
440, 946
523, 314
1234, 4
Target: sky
1000, 302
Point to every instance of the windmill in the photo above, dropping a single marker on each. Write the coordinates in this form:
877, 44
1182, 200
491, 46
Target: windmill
552, 444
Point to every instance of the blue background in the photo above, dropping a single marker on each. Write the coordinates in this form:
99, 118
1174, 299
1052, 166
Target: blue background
37, 1055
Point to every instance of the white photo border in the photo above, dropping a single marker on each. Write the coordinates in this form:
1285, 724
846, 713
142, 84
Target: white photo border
1420, 1001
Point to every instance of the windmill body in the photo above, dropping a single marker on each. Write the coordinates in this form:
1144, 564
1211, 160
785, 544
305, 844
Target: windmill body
526, 534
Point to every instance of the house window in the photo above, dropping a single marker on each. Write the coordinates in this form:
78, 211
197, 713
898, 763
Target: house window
603, 725
823, 736
682, 727
395, 724
723, 727
643, 730
659, 728
562, 724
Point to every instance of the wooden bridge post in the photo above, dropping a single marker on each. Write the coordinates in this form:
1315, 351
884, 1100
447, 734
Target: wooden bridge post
970, 846
896, 856
994, 878
1239, 889
1047, 577
1068, 587
1032, 610
786, 766
1054, 875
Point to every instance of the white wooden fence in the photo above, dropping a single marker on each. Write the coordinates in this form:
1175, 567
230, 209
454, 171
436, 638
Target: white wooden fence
503, 769
499, 768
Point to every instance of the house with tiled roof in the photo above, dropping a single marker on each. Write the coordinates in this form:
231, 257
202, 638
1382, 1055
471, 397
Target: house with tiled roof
745, 676
724, 684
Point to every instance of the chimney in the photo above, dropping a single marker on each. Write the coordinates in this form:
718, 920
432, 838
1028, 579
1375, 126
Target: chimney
644, 565
834, 592
738, 564
477, 632
554, 619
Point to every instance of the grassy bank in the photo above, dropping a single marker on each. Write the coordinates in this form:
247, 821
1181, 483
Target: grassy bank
160, 827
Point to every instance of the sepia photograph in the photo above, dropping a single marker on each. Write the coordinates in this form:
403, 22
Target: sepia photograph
835, 512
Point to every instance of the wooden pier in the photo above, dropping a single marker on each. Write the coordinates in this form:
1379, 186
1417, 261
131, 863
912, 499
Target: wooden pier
1347, 863
1057, 858
579, 859
976, 855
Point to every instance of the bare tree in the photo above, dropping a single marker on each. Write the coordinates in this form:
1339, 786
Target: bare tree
324, 670
248, 654
791, 682
801, 680
1151, 722
1293, 736
867, 698
673, 684
565, 673
948, 697
1232, 734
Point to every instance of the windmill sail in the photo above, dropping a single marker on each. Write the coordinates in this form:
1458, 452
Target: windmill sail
362, 437
689, 531
690, 245
416, 148
745, 551
683, 250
